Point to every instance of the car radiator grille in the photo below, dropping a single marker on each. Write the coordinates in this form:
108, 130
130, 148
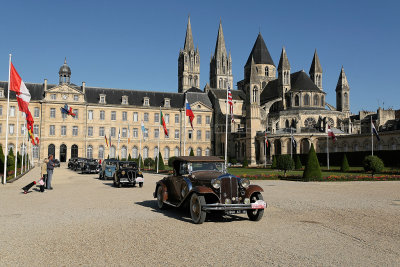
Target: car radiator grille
229, 189
131, 176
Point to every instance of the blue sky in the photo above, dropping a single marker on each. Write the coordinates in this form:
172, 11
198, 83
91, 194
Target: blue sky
135, 45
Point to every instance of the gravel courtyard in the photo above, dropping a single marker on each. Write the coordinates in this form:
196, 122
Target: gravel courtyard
86, 221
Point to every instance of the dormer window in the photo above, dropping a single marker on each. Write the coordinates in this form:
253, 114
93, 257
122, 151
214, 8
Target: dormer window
124, 100
167, 102
1, 93
102, 99
53, 96
76, 97
146, 101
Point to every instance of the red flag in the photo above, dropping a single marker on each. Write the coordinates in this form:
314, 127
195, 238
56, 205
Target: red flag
163, 124
18, 86
189, 113
331, 134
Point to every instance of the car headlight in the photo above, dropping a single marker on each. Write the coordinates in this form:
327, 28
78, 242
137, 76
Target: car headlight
216, 183
123, 172
139, 173
228, 201
244, 182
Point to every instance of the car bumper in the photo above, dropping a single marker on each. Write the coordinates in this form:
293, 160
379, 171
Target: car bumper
126, 180
227, 207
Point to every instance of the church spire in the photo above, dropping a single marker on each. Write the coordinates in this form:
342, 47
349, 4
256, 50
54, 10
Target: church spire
316, 71
342, 93
189, 37
283, 61
342, 81
220, 48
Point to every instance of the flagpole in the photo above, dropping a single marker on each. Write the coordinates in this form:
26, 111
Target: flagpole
8, 107
16, 144
184, 130
158, 146
372, 140
291, 142
140, 150
265, 150
327, 149
226, 131
23, 149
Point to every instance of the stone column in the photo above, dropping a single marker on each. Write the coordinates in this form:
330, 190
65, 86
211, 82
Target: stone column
272, 149
262, 151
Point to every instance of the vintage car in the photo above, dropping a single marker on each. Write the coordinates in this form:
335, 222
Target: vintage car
71, 163
107, 170
127, 173
90, 166
203, 184
78, 163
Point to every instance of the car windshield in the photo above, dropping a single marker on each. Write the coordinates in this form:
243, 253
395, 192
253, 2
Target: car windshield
127, 164
111, 163
206, 166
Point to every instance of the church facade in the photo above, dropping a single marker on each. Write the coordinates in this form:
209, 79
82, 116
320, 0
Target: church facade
274, 102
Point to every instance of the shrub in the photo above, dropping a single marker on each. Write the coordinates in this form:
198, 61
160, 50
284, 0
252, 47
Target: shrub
129, 157
171, 161
373, 164
274, 163
298, 164
312, 169
285, 163
1, 159
191, 153
149, 162
233, 161
344, 167
245, 163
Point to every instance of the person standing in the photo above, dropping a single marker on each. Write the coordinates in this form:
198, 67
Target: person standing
44, 174
50, 168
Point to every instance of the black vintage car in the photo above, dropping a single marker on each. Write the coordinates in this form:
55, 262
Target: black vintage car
71, 163
127, 173
203, 184
90, 166
78, 164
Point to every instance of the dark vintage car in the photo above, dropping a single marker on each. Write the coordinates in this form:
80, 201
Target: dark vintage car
202, 183
90, 166
78, 164
108, 167
71, 163
127, 173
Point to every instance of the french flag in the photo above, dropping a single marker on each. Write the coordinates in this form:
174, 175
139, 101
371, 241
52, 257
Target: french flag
374, 131
189, 113
18, 86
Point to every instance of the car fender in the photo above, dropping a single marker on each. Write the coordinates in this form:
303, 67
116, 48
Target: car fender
253, 189
164, 189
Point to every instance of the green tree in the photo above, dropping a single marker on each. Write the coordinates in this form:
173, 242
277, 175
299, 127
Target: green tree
1, 159
245, 163
10, 162
149, 162
233, 161
312, 170
129, 157
191, 152
345, 164
139, 159
108, 157
274, 163
298, 164
285, 163
171, 161
373, 164
161, 165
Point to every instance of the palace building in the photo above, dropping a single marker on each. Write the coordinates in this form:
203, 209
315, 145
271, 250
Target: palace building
275, 101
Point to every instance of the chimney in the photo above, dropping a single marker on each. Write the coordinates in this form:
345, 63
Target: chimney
45, 84
83, 87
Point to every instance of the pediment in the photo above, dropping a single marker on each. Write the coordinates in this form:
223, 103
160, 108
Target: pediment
65, 93
199, 106
64, 88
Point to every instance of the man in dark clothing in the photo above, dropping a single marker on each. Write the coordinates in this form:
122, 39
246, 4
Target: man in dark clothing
50, 168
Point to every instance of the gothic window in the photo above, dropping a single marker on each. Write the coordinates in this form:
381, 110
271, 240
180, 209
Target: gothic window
223, 70
331, 122
195, 81
297, 100
190, 80
346, 100
220, 83
225, 84
255, 92
266, 71
322, 101
287, 124
309, 123
316, 100
306, 100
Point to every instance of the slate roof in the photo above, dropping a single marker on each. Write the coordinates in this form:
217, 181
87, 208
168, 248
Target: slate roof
36, 90
202, 97
260, 53
221, 94
315, 64
270, 92
300, 81
194, 90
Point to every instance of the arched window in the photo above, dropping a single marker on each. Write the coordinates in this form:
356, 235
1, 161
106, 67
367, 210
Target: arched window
89, 153
195, 81
255, 93
322, 101
74, 151
190, 80
266, 71
316, 100
135, 152
155, 152
287, 124
123, 152
346, 100
22, 149
220, 83
176, 152
112, 152
198, 152
306, 100
166, 153
296, 101
101, 152
207, 152
51, 149
145, 152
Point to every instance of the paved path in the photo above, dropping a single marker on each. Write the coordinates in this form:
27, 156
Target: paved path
86, 221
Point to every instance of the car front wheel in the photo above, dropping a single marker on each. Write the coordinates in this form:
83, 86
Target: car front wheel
160, 201
196, 204
140, 184
256, 214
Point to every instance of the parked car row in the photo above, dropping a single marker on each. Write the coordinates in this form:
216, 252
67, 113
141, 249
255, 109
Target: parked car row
121, 172
84, 165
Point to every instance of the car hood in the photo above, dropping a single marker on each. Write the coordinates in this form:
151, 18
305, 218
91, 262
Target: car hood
206, 175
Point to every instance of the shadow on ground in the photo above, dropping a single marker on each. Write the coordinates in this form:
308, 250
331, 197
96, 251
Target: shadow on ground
183, 214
